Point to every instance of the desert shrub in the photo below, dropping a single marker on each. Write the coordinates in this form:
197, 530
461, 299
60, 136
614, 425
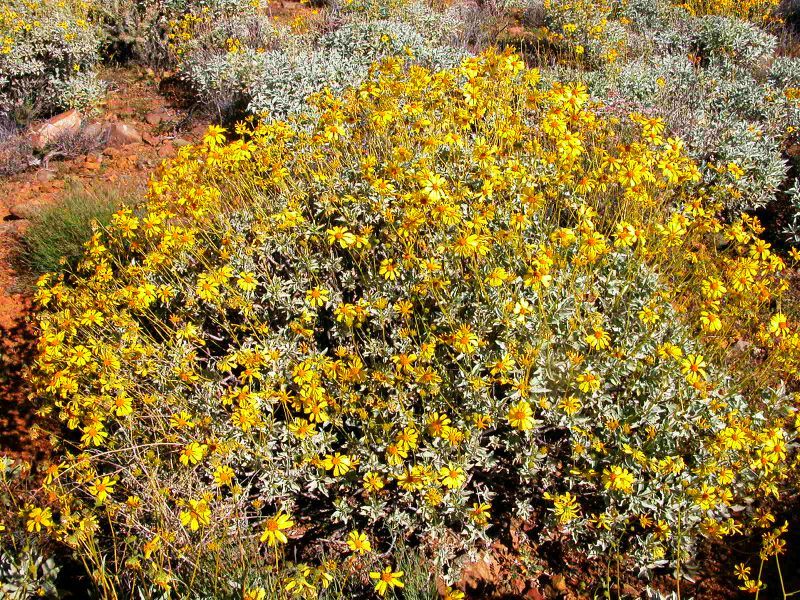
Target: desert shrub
56, 236
284, 81
146, 31
373, 40
280, 81
723, 114
784, 72
83, 91
585, 29
427, 306
16, 150
244, 62
731, 40
45, 46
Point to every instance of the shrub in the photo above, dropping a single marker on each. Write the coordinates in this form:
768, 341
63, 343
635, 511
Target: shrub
731, 40
45, 44
723, 112
278, 82
584, 28
83, 91
426, 307
758, 11
56, 236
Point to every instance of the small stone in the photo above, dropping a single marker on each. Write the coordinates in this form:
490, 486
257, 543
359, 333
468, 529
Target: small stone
153, 118
122, 134
180, 142
97, 130
27, 210
151, 140
14, 226
45, 175
166, 150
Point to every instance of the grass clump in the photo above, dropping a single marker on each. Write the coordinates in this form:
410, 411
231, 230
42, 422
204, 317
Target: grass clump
56, 236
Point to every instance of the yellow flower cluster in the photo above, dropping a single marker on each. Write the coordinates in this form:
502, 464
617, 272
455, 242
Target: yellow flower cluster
20, 20
753, 10
581, 28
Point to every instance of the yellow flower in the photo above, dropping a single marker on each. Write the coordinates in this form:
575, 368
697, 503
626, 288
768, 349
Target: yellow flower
497, 277
273, 529
247, 281
358, 542
102, 487
520, 416
618, 479
386, 580
598, 339
388, 269
433, 186
570, 405
193, 453
710, 321
480, 512
223, 475
341, 235
588, 382
373, 482
340, 464
317, 297
258, 593
693, 367
566, 508
198, 514
452, 594
779, 325
452, 477
464, 340
38, 518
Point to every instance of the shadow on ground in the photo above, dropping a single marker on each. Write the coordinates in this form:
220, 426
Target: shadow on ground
18, 431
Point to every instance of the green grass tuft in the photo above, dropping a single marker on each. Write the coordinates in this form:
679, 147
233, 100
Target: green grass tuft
54, 241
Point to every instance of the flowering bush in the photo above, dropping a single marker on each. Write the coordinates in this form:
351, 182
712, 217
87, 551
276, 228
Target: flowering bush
270, 70
48, 51
585, 28
711, 79
431, 304
753, 10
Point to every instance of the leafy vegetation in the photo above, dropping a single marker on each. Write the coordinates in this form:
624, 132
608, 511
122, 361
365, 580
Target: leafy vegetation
425, 297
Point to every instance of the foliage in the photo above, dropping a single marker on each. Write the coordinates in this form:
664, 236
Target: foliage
25, 569
585, 29
47, 48
759, 11
16, 151
438, 301
733, 41
709, 79
269, 70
